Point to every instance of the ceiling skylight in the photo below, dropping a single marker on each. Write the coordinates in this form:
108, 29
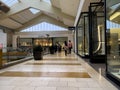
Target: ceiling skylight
10, 2
111, 24
48, 1
115, 6
34, 11
44, 26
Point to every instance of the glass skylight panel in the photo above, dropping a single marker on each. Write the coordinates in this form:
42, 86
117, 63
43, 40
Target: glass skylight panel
44, 27
48, 1
115, 6
34, 11
112, 25
10, 2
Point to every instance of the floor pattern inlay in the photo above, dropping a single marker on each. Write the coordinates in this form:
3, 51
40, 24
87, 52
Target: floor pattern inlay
52, 63
46, 74
66, 59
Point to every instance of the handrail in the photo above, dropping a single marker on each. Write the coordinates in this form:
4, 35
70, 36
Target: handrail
10, 54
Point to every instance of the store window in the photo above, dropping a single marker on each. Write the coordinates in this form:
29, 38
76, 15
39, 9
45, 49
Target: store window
43, 41
97, 32
113, 38
83, 35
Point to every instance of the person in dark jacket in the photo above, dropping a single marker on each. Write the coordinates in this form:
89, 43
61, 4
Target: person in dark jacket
69, 46
65, 47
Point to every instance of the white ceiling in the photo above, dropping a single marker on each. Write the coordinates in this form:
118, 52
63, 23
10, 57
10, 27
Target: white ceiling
87, 3
69, 7
63, 11
24, 16
10, 23
19, 16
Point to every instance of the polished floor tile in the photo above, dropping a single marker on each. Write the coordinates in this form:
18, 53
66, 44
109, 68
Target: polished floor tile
67, 88
24, 88
7, 87
65, 59
45, 88
54, 72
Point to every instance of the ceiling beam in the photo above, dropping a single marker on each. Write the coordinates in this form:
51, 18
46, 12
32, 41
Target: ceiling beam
79, 11
43, 6
40, 19
15, 20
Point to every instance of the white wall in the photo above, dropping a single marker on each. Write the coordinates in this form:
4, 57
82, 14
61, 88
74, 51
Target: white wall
3, 38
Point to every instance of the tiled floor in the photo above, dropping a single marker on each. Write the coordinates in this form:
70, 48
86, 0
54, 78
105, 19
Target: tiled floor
54, 72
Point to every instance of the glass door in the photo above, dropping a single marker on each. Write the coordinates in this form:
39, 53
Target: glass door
113, 39
97, 32
83, 35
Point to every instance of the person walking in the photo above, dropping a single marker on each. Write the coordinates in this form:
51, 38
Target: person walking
65, 47
69, 46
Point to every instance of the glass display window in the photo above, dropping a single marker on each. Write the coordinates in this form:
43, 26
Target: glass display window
83, 35
113, 38
97, 32
43, 41
25, 41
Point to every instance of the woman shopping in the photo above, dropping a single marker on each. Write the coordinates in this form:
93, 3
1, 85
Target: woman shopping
65, 47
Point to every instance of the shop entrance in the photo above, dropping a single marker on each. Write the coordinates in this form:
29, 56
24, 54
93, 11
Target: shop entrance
97, 32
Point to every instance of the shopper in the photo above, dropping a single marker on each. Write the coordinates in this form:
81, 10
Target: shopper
69, 46
59, 47
65, 47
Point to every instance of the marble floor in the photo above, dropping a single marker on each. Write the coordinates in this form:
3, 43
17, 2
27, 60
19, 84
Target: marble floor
54, 72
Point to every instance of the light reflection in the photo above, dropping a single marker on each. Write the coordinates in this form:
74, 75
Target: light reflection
100, 73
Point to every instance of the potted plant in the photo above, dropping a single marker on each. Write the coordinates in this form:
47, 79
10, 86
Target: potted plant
51, 48
38, 52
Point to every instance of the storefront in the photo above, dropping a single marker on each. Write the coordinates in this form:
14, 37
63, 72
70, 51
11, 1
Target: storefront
97, 32
113, 39
91, 33
83, 35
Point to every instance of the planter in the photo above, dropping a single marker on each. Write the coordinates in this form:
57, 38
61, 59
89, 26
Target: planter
52, 50
38, 55
38, 52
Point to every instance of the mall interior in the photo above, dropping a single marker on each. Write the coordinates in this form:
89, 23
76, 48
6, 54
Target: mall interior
32, 45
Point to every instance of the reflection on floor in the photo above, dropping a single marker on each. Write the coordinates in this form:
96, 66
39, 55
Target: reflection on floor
101, 68
54, 72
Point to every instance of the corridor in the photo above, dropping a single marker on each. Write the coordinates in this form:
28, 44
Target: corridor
54, 72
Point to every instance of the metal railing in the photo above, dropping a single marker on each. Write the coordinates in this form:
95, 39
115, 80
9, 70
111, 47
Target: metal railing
11, 55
